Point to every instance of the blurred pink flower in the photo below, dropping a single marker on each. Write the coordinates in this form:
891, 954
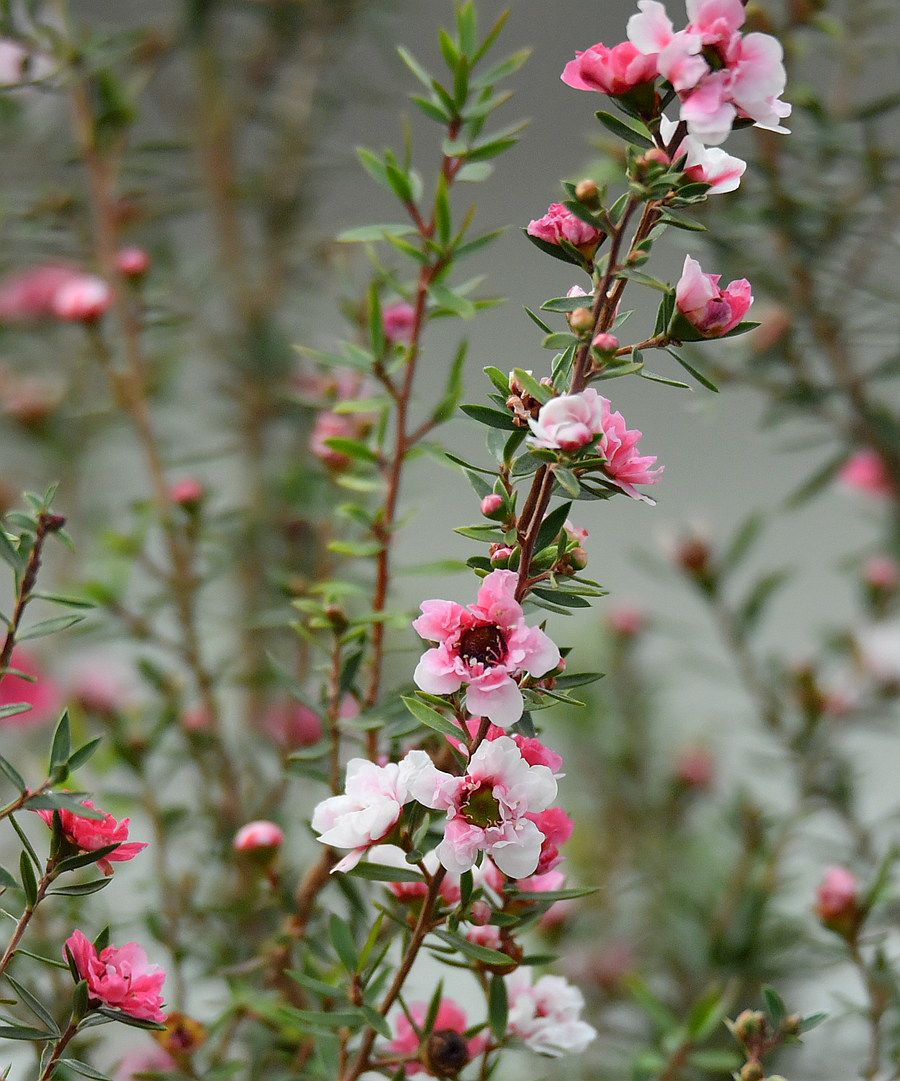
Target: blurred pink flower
450, 1054
694, 767
132, 262
547, 1015
561, 224
612, 71
291, 724
260, 834
89, 834
837, 896
82, 299
881, 572
486, 646
709, 309
119, 978
864, 470
149, 1058
187, 492
398, 321
625, 620
44, 696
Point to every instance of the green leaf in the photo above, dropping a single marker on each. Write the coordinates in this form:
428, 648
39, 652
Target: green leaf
344, 944
376, 326
812, 1020
381, 872
63, 801
49, 626
493, 418
360, 549
707, 1014
566, 304
498, 1007
446, 407
318, 987
567, 480
132, 1022
537, 390
558, 596
560, 340
552, 895
85, 859
59, 598
431, 718
473, 951
699, 376
8, 881
474, 172
374, 167
13, 774
324, 1019
574, 258
488, 534
35, 1006
551, 526
442, 219
371, 233
644, 374
14, 709
62, 747
447, 298
82, 889
775, 1007
22, 1032
637, 276
83, 753
29, 882
638, 135
376, 1021
671, 218
414, 66
9, 554
84, 1069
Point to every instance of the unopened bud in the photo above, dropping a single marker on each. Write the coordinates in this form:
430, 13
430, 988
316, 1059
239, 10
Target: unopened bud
748, 1025
186, 493
491, 504
792, 1024
752, 1071
693, 555
581, 320
657, 156
499, 555
606, 343
479, 913
588, 194
132, 262
446, 1052
336, 617
578, 558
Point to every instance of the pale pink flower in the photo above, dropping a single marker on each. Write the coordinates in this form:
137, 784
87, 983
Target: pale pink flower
624, 466
487, 646
694, 767
703, 164
187, 492
613, 71
260, 834
484, 934
837, 895
568, 422
82, 299
575, 532
98, 688
449, 1019
547, 1015
881, 572
373, 799
329, 425
149, 1058
487, 809
879, 649
29, 295
865, 471
561, 224
625, 620
531, 748
13, 58
41, 692
89, 834
291, 724
132, 262
398, 321
119, 978
709, 309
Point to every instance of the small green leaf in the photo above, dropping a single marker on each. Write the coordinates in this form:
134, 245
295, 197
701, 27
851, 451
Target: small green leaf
29, 882
62, 747
22, 1032
34, 1005
381, 872
447, 298
414, 66
561, 340
84, 1069
376, 1021
775, 1007
85, 859
344, 944
498, 1007
473, 951
82, 889
431, 718
637, 135
14, 709
371, 233
699, 376
567, 480
493, 418
13, 774
49, 626
566, 304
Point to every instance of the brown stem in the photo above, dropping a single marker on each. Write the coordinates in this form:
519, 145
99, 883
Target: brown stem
61, 1045
24, 920
878, 1002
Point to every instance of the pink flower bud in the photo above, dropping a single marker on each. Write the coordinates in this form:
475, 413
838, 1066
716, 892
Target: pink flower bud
625, 620
479, 913
606, 343
694, 768
499, 555
709, 309
83, 299
132, 262
186, 493
836, 898
881, 572
561, 224
398, 321
491, 504
260, 834
865, 471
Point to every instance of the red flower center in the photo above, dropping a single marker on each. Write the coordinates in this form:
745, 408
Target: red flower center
483, 645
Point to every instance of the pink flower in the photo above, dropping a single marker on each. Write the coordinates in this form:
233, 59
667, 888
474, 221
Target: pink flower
89, 834
575, 532
391, 856
605, 343
556, 826
82, 299
865, 471
40, 692
445, 1054
398, 321
132, 262
881, 572
259, 834
486, 646
613, 71
531, 748
568, 422
186, 493
491, 503
709, 309
547, 1016
150, 1058
705, 165
625, 620
694, 768
29, 295
837, 896
329, 425
561, 224
119, 978
373, 799
291, 725
624, 466
487, 809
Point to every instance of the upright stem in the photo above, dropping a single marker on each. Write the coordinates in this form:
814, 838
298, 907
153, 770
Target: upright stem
24, 920
61, 1045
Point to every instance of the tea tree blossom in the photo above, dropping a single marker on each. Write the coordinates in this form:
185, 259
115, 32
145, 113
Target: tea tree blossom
373, 799
446, 1051
487, 809
710, 310
547, 1015
89, 834
398, 321
119, 978
486, 646
613, 71
568, 422
260, 834
624, 466
704, 164
39, 691
865, 471
561, 224
837, 895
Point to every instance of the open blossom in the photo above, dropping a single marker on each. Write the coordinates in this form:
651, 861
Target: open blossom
706, 307
89, 834
547, 1015
719, 73
446, 1051
40, 691
487, 809
373, 799
568, 421
486, 646
119, 978
561, 224
865, 471
613, 71
624, 466
704, 164
398, 321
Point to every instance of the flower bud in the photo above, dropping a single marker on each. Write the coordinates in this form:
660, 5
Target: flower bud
588, 194
752, 1071
581, 320
491, 504
837, 901
132, 262
256, 835
480, 913
748, 1025
182, 1037
187, 493
499, 555
83, 299
445, 1052
606, 343
792, 1024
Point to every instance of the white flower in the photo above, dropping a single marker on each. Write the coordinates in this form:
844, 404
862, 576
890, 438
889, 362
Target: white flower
546, 1016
